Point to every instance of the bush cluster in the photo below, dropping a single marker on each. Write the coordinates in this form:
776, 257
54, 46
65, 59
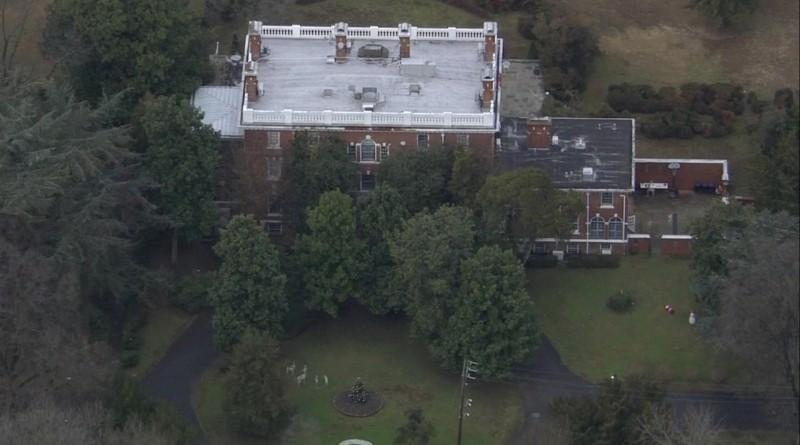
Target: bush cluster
539, 261
708, 110
593, 262
621, 302
191, 292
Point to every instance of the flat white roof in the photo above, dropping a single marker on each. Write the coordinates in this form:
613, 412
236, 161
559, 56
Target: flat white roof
296, 73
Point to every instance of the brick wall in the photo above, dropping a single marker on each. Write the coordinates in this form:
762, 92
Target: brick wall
677, 247
639, 245
617, 208
688, 175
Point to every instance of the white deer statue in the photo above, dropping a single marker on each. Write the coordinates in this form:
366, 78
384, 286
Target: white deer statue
290, 368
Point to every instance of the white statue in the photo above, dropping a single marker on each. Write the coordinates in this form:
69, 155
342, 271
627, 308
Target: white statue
692, 319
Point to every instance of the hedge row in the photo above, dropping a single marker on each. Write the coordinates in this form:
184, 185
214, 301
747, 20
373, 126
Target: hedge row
593, 261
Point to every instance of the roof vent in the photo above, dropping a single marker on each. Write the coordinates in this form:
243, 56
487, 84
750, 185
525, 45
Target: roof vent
415, 88
555, 139
580, 144
327, 92
373, 51
588, 174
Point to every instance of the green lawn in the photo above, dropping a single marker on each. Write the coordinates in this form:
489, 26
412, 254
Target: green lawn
381, 353
163, 326
596, 342
760, 438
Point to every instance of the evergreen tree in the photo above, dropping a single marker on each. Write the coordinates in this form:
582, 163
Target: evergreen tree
469, 175
416, 430
249, 289
331, 255
254, 395
421, 177
778, 165
181, 156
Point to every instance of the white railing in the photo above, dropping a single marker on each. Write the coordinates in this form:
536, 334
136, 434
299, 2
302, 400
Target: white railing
372, 33
358, 118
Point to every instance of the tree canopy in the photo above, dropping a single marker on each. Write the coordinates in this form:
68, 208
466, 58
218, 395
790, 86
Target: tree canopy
421, 177
155, 46
468, 176
331, 255
249, 289
254, 393
724, 10
181, 156
778, 165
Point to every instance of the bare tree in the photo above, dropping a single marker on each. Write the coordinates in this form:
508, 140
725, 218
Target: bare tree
14, 15
759, 318
697, 426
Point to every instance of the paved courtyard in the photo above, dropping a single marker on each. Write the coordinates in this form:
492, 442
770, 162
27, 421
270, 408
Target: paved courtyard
653, 213
522, 89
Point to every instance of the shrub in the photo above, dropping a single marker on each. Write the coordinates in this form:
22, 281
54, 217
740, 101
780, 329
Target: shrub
621, 302
537, 261
191, 292
593, 261
130, 358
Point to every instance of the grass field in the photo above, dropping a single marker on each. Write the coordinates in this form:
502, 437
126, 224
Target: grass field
380, 352
163, 326
759, 438
595, 342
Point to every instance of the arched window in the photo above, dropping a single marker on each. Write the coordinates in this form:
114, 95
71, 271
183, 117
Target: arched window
597, 228
368, 150
615, 228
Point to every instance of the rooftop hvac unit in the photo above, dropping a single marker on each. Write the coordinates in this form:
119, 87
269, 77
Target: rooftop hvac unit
330, 60
588, 174
327, 92
555, 139
580, 144
260, 88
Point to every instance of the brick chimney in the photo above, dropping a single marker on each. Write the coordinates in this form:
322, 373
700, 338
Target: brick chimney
405, 40
341, 42
540, 132
254, 36
487, 92
489, 41
251, 82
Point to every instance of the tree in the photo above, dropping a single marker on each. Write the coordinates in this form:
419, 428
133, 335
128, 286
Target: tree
468, 176
613, 417
254, 395
154, 46
249, 290
416, 430
427, 253
697, 426
724, 10
778, 165
494, 321
380, 212
421, 177
313, 169
331, 255
181, 156
758, 317
524, 204
14, 15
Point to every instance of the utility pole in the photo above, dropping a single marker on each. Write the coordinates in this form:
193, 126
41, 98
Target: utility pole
467, 369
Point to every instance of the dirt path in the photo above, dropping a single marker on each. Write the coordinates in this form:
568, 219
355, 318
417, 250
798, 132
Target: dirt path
545, 377
174, 377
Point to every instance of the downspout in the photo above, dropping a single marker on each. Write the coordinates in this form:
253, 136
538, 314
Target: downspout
587, 223
625, 220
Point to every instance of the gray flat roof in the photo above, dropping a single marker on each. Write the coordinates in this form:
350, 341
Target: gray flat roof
221, 106
296, 73
607, 148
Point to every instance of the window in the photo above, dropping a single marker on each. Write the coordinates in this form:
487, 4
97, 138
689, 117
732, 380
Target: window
384, 151
422, 142
273, 139
274, 205
573, 248
274, 166
605, 249
351, 152
462, 140
606, 199
274, 228
538, 248
615, 228
368, 151
367, 182
597, 228
576, 226
313, 137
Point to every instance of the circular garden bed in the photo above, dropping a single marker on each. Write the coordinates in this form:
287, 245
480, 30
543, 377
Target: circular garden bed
344, 405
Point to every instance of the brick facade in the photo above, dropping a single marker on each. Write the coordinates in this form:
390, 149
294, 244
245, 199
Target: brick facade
687, 176
676, 245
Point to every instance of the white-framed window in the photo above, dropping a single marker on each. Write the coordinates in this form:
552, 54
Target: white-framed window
462, 139
274, 227
368, 153
422, 142
597, 228
274, 168
573, 248
615, 228
352, 152
538, 248
367, 182
605, 249
384, 151
273, 139
606, 199
576, 226
313, 137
